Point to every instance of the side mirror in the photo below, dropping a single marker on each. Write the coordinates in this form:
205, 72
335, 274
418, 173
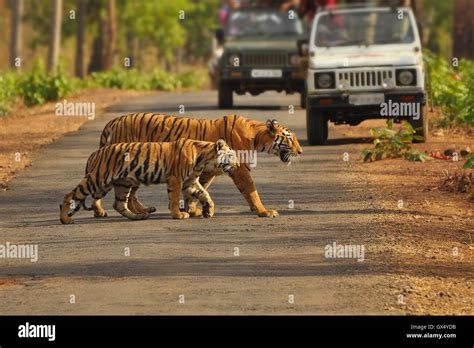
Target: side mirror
303, 47
220, 36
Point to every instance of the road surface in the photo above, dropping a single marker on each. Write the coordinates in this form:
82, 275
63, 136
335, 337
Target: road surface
234, 263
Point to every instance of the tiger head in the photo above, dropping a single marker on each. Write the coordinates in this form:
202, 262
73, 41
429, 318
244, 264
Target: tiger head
216, 157
285, 143
226, 158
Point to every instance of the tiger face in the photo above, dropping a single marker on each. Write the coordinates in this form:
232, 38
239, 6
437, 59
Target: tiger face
226, 159
285, 143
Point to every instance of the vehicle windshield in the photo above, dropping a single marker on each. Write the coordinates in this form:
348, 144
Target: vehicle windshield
364, 28
262, 23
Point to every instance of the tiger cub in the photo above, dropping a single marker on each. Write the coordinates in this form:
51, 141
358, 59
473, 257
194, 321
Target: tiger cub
124, 166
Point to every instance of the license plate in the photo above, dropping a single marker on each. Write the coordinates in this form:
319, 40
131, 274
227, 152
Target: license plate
367, 99
262, 73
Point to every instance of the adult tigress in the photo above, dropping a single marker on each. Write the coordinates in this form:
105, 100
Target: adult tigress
239, 132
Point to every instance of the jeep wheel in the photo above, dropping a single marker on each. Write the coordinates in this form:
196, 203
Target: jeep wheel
316, 127
225, 96
420, 126
303, 95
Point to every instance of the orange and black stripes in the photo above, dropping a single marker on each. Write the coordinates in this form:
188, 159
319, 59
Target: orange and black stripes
125, 166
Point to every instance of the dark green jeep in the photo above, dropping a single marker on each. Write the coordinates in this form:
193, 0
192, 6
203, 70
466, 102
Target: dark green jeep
262, 51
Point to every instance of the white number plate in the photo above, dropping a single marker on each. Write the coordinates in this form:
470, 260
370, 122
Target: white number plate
367, 99
259, 73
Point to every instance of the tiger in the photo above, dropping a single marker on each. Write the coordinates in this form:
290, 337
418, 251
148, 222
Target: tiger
241, 133
124, 166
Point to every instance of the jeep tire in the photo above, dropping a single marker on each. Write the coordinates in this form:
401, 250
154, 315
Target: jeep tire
225, 96
420, 126
316, 127
303, 96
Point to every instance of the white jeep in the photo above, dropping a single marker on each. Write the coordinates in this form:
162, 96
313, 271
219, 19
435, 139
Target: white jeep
364, 63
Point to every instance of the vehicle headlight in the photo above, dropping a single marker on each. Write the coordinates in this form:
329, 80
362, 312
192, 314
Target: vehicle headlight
234, 60
406, 77
295, 59
324, 80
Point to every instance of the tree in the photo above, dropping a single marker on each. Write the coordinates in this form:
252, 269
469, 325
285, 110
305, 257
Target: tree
111, 35
16, 32
55, 35
159, 22
80, 37
463, 33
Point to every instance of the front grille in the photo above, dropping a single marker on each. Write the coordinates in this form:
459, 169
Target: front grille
369, 78
265, 59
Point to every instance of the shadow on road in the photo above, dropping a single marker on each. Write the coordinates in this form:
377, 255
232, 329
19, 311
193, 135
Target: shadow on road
225, 267
88, 220
340, 141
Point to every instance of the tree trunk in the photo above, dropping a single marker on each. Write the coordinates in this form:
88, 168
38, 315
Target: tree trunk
55, 35
463, 32
97, 57
418, 8
179, 58
132, 48
80, 37
111, 35
16, 33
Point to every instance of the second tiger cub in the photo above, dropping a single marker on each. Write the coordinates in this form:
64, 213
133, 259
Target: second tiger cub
124, 166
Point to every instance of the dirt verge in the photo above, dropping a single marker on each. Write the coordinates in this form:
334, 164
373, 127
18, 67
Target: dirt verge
24, 129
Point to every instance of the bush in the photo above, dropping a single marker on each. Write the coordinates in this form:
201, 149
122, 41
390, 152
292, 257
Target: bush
8, 91
161, 80
193, 78
37, 87
389, 143
121, 79
452, 90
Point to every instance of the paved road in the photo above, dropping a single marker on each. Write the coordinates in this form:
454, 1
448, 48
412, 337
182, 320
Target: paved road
279, 259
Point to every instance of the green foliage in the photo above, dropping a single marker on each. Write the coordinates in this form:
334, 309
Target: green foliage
38, 14
452, 90
157, 21
201, 21
162, 80
389, 143
157, 80
469, 161
193, 78
121, 79
37, 87
440, 13
8, 91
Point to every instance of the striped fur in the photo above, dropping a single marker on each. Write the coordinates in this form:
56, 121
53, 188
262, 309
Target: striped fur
239, 132
125, 166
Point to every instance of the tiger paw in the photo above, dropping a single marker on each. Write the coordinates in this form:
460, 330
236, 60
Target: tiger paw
141, 210
197, 212
180, 215
207, 211
151, 209
100, 214
268, 213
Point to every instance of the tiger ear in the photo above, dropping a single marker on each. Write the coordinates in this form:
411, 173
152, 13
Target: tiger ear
271, 125
220, 144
